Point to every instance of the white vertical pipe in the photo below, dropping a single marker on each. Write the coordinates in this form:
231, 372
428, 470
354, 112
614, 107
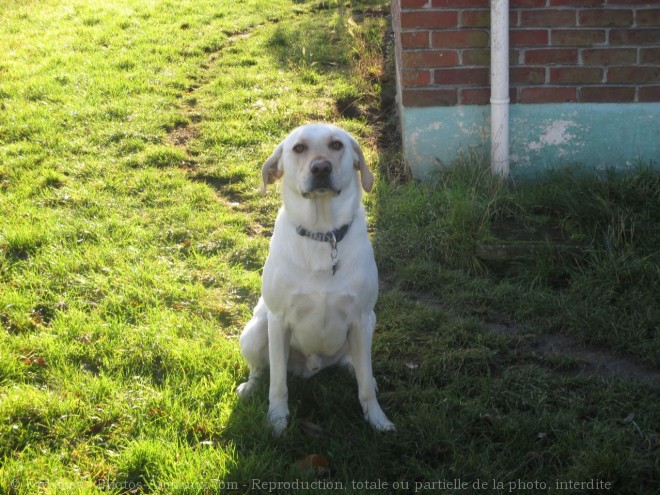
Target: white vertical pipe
499, 86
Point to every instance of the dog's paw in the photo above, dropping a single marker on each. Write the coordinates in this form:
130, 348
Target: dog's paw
278, 414
277, 423
377, 419
385, 425
244, 390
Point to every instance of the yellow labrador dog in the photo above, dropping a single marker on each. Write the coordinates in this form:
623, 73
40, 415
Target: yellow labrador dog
320, 282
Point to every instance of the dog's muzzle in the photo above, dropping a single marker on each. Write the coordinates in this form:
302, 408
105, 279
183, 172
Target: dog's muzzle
320, 168
321, 179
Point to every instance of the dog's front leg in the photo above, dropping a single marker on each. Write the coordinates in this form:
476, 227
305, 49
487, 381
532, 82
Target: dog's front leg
360, 351
279, 340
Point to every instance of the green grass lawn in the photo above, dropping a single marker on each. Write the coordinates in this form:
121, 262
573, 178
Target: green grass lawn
132, 236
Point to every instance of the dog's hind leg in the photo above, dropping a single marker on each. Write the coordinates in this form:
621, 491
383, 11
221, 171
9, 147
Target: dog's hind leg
254, 347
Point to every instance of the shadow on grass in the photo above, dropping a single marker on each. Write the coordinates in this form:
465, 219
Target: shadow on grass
327, 446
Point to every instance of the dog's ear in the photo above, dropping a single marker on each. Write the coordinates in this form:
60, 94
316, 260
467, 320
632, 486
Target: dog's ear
366, 177
272, 169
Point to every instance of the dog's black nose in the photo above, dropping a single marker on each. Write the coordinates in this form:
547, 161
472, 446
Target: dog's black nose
321, 168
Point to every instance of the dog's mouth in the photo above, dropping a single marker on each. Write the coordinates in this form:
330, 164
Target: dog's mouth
319, 192
320, 186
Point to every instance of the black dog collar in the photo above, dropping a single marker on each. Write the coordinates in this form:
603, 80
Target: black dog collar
333, 238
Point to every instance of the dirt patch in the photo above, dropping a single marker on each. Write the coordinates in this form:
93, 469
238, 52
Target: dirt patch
586, 360
183, 135
562, 352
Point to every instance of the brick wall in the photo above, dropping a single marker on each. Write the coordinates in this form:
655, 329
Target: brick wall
561, 51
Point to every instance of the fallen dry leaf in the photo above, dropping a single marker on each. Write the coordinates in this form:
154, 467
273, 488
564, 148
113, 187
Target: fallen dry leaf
34, 361
155, 411
97, 428
316, 463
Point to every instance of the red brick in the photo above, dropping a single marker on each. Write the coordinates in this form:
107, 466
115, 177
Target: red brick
547, 94
482, 57
547, 17
633, 75
475, 18
528, 37
413, 4
514, 4
476, 57
460, 77
576, 3
464, 38
429, 97
514, 57
475, 96
432, 19
648, 17
415, 39
631, 2
650, 56
429, 58
514, 18
635, 37
649, 93
609, 56
606, 17
481, 18
461, 3
551, 56
576, 75
607, 94
527, 75
415, 78
577, 37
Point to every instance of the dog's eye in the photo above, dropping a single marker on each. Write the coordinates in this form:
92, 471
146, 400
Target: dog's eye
299, 148
336, 145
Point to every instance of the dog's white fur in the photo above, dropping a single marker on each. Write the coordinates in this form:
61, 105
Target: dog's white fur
309, 318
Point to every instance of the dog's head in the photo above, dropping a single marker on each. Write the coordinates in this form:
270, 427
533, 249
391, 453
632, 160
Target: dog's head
318, 160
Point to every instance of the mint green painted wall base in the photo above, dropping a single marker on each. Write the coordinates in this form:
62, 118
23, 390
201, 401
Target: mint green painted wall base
599, 135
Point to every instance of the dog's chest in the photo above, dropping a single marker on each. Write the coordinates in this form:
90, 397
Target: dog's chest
319, 321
